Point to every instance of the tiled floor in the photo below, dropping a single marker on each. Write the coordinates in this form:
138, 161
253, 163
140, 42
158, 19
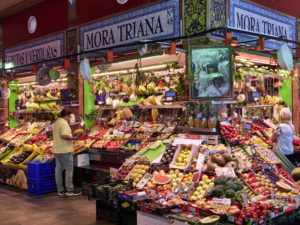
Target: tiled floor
18, 208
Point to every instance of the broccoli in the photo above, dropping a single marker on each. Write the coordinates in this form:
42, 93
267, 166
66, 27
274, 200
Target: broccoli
218, 191
238, 197
239, 185
230, 193
231, 185
220, 180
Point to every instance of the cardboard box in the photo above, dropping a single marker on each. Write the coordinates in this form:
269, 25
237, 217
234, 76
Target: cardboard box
81, 160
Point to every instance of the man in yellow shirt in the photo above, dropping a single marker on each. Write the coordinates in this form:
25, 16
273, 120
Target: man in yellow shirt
63, 151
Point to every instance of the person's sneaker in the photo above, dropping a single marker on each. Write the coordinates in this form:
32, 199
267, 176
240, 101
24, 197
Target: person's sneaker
73, 193
61, 193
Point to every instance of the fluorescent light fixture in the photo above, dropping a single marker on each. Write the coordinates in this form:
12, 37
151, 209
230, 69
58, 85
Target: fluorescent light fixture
8, 65
34, 82
131, 70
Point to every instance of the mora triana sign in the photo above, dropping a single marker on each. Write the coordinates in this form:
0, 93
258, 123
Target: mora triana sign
34, 52
157, 21
248, 17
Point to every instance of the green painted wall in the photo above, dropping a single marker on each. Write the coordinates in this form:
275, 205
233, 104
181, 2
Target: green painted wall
89, 103
11, 103
285, 92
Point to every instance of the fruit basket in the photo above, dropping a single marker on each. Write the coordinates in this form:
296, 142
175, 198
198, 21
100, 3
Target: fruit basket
132, 145
99, 144
137, 173
183, 157
267, 155
20, 139
17, 157
6, 151
113, 145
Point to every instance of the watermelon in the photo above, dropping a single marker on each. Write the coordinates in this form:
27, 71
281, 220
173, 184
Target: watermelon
161, 179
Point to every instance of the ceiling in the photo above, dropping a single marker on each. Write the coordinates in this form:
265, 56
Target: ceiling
10, 7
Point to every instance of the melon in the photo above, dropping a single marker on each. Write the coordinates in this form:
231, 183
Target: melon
283, 187
296, 173
210, 220
218, 159
78, 132
227, 157
232, 164
161, 179
211, 167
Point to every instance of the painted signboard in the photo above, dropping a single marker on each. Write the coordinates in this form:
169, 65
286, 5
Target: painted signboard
35, 52
248, 17
151, 23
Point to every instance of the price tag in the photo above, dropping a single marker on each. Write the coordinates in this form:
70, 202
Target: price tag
113, 172
221, 203
246, 128
144, 180
141, 193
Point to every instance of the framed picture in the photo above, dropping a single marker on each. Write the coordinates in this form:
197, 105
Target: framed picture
212, 71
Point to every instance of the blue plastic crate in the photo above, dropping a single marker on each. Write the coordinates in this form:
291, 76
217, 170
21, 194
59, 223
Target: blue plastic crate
38, 170
42, 186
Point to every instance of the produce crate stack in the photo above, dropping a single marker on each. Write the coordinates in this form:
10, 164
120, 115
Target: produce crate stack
41, 178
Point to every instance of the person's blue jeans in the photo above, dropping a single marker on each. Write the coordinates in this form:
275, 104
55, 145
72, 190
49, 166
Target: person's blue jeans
64, 161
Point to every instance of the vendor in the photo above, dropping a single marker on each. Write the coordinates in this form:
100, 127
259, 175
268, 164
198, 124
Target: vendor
284, 135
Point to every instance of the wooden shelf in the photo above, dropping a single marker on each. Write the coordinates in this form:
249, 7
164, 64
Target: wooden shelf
195, 129
41, 111
143, 107
49, 100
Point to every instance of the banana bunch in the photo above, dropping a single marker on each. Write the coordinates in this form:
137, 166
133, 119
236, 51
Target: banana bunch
49, 96
119, 113
154, 114
53, 106
272, 100
261, 100
152, 100
44, 107
58, 94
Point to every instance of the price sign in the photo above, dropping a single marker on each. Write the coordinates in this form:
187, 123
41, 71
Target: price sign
221, 203
246, 128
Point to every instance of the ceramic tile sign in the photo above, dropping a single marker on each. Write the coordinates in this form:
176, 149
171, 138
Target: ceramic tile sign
217, 16
35, 52
248, 17
194, 16
155, 22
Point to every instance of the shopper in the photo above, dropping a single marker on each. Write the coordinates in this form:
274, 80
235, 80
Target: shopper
62, 149
283, 138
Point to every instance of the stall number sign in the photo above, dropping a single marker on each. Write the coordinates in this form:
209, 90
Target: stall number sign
221, 203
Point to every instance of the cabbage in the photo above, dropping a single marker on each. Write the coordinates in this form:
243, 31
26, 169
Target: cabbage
241, 98
116, 103
108, 101
133, 97
125, 99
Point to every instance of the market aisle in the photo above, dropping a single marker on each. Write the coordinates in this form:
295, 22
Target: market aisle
17, 208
